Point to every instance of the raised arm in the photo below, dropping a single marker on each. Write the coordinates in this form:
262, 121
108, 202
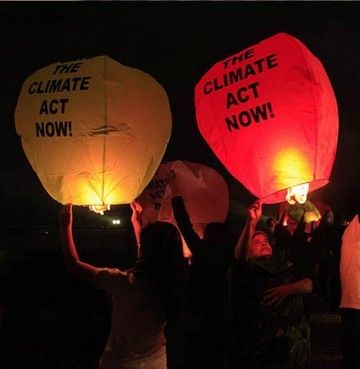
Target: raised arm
136, 222
185, 226
182, 217
79, 268
253, 216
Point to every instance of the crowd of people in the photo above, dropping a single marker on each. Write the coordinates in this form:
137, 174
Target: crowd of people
235, 303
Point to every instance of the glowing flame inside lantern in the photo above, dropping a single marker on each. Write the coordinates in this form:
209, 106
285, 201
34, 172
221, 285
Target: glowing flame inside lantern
291, 167
99, 209
297, 194
100, 202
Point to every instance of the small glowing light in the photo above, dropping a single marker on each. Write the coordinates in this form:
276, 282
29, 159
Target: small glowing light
99, 209
116, 221
297, 194
311, 216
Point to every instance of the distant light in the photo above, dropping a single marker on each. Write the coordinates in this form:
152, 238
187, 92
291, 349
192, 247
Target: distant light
116, 221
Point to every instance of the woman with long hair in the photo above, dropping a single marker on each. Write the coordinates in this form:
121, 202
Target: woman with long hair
144, 299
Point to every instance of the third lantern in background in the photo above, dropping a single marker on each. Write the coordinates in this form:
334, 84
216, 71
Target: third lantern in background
203, 189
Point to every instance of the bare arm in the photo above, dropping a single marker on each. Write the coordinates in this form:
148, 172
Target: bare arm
79, 268
242, 246
136, 222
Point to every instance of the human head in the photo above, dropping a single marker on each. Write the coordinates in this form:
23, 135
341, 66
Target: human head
259, 246
329, 217
215, 232
270, 222
291, 225
160, 247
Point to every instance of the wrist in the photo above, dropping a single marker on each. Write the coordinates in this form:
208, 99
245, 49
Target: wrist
252, 223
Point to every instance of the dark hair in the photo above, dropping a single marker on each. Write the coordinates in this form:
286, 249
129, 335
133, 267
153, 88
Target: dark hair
269, 221
216, 232
260, 232
160, 248
162, 261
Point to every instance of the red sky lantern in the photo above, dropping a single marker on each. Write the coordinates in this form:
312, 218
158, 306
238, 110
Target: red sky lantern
270, 115
198, 184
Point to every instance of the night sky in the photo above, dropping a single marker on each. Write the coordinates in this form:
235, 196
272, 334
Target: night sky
176, 43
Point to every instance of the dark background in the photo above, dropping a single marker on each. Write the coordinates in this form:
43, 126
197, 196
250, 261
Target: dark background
52, 320
175, 42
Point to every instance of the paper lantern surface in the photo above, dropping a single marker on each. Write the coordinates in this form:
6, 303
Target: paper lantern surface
270, 115
203, 189
93, 130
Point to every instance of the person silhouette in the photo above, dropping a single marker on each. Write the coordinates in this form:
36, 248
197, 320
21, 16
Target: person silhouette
144, 299
266, 319
211, 255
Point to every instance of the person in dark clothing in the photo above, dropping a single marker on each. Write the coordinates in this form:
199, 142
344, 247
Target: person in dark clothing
265, 313
204, 343
293, 243
326, 248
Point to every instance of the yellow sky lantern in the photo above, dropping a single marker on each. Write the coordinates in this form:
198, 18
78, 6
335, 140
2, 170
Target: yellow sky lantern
93, 130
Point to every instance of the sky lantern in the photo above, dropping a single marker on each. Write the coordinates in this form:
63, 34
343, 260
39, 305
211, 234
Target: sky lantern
269, 113
198, 184
93, 130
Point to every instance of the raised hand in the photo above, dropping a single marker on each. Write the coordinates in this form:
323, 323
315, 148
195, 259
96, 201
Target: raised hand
65, 216
136, 210
255, 211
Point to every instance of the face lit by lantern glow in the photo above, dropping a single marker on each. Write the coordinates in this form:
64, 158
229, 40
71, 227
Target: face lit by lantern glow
297, 194
259, 246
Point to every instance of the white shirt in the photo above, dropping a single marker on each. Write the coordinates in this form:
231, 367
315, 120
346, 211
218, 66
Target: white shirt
137, 325
350, 266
